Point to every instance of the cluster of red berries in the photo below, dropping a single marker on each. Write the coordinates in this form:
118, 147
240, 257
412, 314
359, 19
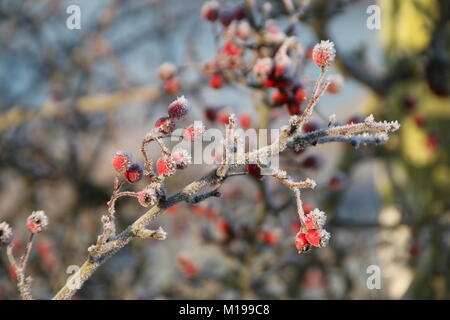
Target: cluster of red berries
132, 171
311, 231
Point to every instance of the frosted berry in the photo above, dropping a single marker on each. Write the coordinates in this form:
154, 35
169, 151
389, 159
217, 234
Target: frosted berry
179, 108
310, 126
355, 119
216, 81
37, 221
254, 170
150, 195
6, 234
323, 53
165, 125
317, 237
134, 172
121, 160
210, 10
165, 166
315, 219
194, 131
245, 120
182, 158
300, 242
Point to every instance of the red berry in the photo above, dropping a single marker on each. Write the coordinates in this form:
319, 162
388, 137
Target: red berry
210, 113
226, 15
268, 237
293, 107
312, 162
278, 98
188, 268
355, 119
323, 53
270, 83
310, 126
306, 207
134, 173
419, 119
223, 226
165, 166
172, 86
337, 180
231, 49
313, 237
179, 108
182, 158
336, 81
37, 222
121, 160
165, 125
245, 120
223, 116
210, 10
300, 241
254, 170
216, 81
300, 94
239, 12
431, 141
194, 131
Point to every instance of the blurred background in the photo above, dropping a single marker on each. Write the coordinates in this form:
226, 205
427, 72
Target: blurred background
70, 98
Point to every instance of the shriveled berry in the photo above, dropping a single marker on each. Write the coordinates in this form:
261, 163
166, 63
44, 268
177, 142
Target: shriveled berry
134, 172
165, 125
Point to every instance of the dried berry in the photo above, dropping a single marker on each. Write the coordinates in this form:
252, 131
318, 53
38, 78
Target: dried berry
6, 234
37, 221
165, 125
